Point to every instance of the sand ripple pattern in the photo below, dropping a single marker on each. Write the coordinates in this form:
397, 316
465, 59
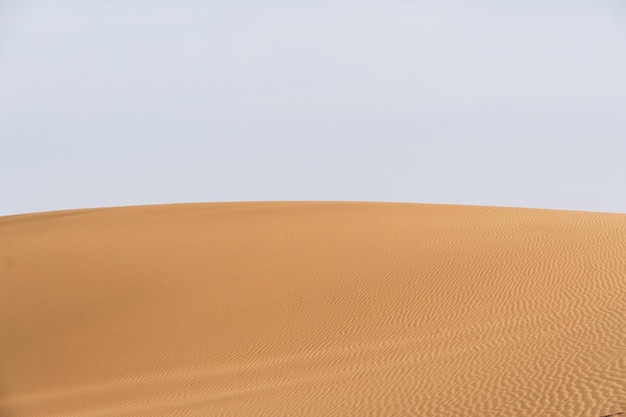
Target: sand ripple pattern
312, 309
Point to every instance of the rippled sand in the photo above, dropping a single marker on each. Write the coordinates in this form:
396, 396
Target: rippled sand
312, 309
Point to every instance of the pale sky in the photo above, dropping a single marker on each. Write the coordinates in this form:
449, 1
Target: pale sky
483, 102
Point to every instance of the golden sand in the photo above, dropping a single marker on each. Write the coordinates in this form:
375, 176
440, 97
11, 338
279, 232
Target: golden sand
312, 309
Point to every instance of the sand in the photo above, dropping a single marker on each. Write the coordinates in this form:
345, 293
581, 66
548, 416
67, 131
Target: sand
312, 309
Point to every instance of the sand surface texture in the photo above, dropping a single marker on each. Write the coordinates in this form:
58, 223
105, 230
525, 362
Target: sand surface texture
312, 309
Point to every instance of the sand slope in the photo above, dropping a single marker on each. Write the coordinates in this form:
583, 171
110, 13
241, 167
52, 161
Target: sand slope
312, 309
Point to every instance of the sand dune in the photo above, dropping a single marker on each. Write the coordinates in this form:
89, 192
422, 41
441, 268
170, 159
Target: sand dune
312, 309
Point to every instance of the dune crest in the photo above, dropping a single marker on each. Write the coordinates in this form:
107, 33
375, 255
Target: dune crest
312, 309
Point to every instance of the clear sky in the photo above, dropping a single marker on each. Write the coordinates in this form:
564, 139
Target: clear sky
140, 102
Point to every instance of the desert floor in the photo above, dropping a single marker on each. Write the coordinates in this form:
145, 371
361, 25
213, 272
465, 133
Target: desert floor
312, 309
